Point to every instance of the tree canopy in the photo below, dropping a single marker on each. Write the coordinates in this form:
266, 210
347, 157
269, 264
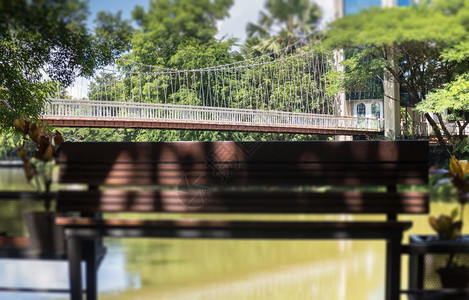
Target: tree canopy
281, 24
453, 100
422, 47
171, 26
46, 42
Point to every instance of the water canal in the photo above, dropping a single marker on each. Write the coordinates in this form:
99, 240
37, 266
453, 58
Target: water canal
212, 269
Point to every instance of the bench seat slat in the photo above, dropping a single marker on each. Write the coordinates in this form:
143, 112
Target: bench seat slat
247, 174
220, 177
245, 163
189, 152
14, 241
236, 202
84, 222
352, 181
253, 166
85, 228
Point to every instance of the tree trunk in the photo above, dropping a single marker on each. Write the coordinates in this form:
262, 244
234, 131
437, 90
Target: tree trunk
462, 127
437, 131
448, 135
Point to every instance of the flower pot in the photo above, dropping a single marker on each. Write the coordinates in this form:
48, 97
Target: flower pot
454, 277
45, 236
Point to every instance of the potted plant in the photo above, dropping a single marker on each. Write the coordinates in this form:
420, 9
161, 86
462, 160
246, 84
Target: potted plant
448, 227
38, 152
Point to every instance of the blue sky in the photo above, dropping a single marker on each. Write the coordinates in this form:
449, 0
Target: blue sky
242, 12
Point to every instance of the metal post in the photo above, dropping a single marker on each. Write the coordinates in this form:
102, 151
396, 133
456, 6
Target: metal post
393, 267
91, 269
416, 261
74, 251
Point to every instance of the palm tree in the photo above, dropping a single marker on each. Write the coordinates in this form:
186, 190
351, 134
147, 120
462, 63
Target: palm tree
282, 24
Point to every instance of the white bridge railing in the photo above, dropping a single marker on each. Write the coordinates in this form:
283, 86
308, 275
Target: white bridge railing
134, 111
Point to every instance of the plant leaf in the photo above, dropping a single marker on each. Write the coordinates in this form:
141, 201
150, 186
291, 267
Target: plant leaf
22, 153
58, 139
22, 125
454, 213
434, 224
34, 132
42, 146
29, 170
48, 153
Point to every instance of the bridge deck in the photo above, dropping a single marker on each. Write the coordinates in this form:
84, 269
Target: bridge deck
85, 113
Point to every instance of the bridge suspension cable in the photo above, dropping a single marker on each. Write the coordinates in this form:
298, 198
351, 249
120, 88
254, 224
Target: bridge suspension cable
284, 82
286, 88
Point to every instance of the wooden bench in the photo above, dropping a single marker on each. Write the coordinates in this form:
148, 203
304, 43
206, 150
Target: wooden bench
241, 177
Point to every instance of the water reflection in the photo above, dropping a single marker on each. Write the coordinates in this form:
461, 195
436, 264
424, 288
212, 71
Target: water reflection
211, 269
113, 277
32, 274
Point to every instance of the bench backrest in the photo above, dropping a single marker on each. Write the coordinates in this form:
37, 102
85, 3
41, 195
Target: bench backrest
245, 177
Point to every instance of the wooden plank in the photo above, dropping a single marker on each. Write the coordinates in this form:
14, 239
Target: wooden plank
222, 179
237, 173
241, 165
271, 225
190, 152
6, 241
208, 201
310, 163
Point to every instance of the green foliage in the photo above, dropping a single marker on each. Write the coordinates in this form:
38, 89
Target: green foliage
194, 56
281, 25
10, 141
199, 135
156, 135
446, 6
461, 148
99, 135
396, 26
113, 35
43, 42
452, 98
446, 226
413, 37
106, 86
168, 26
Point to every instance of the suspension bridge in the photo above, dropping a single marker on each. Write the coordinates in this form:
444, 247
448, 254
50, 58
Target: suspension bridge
283, 92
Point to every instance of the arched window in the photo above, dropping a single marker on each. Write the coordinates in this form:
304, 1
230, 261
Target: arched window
375, 110
361, 110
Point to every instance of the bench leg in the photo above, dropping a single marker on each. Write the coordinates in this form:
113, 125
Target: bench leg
393, 268
91, 270
74, 253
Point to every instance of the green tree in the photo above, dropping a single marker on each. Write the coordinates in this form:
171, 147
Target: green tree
282, 24
412, 44
113, 35
44, 42
170, 25
453, 101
